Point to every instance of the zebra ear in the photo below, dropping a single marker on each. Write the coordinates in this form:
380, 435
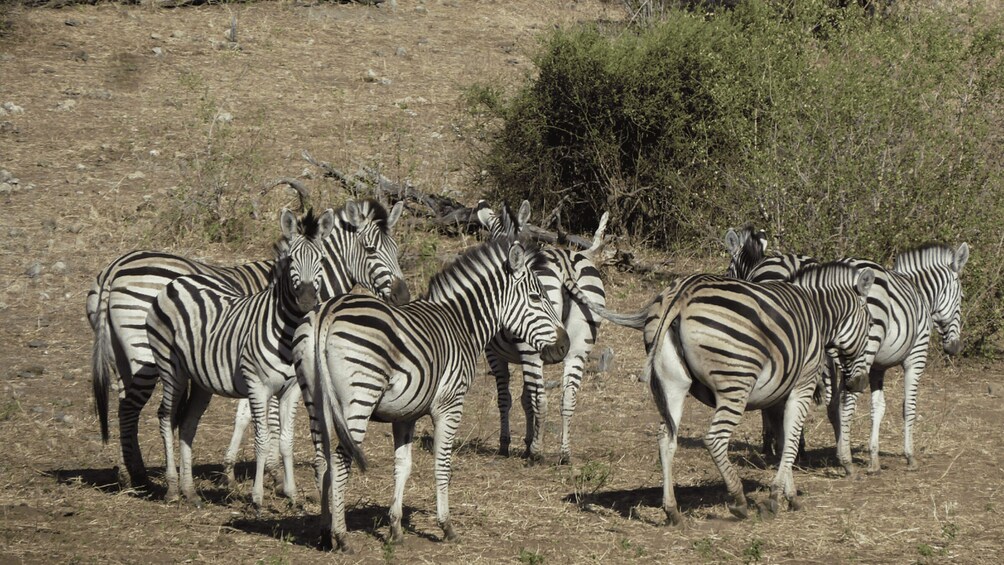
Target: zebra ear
960, 258
354, 215
863, 282
523, 216
732, 241
325, 224
485, 214
395, 214
761, 236
288, 223
517, 260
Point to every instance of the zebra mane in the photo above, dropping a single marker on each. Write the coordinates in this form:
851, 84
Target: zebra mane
751, 248
309, 224
938, 253
488, 253
369, 208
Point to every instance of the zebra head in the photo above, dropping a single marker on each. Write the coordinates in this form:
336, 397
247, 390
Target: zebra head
843, 292
301, 257
525, 310
934, 270
372, 254
747, 248
504, 225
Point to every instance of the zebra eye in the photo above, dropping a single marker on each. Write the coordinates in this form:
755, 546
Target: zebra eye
535, 298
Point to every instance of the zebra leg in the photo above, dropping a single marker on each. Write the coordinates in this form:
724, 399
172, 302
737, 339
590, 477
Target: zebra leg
288, 403
840, 411
878, 411
795, 410
272, 462
728, 411
534, 401
260, 399
333, 493
241, 420
404, 433
137, 394
198, 401
500, 369
767, 419
170, 404
570, 386
445, 424
911, 383
670, 385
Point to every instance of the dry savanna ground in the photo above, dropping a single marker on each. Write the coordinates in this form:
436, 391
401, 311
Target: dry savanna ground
127, 108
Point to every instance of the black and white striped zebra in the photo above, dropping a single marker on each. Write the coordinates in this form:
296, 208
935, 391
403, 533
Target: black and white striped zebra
360, 359
209, 337
558, 268
360, 250
902, 312
737, 346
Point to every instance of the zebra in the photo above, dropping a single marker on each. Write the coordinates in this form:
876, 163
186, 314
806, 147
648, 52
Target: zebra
582, 325
360, 359
902, 304
737, 346
209, 337
360, 250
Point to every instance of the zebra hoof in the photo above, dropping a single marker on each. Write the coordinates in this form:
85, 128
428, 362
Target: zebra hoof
396, 534
767, 509
739, 511
911, 464
565, 459
874, 470
448, 533
340, 542
673, 516
504, 451
794, 504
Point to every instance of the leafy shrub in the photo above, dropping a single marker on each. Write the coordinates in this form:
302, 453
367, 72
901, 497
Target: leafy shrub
840, 132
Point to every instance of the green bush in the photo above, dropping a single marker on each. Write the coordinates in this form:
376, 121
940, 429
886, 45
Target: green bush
840, 132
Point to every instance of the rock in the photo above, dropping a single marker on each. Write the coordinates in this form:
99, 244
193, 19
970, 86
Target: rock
67, 419
6, 188
58, 267
177, 34
224, 117
5, 175
11, 108
34, 270
66, 105
400, 51
74, 228
37, 344
68, 376
421, 10
156, 36
100, 94
371, 76
71, 22
136, 175
158, 52
32, 372
993, 389
8, 127
80, 55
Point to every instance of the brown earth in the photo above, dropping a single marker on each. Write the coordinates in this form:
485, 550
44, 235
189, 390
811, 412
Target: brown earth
113, 135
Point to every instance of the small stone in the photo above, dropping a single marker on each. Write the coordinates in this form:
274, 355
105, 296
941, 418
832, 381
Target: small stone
5, 175
81, 167
37, 410
37, 344
71, 22
225, 117
58, 267
80, 55
400, 51
156, 36
67, 419
158, 52
32, 372
100, 94
68, 376
74, 228
371, 76
49, 223
6, 188
66, 105
421, 10
155, 153
177, 34
8, 127
34, 270
136, 175
993, 389
12, 108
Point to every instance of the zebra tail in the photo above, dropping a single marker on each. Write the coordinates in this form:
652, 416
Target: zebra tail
331, 406
102, 357
634, 320
669, 317
599, 241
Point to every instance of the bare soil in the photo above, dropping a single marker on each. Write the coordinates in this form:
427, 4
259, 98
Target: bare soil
111, 136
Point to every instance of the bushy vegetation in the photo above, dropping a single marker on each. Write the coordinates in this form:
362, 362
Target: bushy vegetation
841, 132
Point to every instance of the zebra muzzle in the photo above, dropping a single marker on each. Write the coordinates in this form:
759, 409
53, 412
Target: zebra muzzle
556, 353
857, 383
952, 347
399, 293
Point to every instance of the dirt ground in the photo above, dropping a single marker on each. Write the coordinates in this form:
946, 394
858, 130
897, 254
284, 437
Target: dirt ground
112, 130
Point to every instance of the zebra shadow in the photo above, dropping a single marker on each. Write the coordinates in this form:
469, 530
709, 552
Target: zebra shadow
305, 529
106, 480
688, 497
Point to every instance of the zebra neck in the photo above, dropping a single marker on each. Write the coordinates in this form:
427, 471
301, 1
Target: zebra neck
476, 312
286, 315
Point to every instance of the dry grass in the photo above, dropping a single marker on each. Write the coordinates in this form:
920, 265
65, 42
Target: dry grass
298, 82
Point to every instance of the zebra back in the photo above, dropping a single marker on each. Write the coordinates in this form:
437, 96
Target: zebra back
934, 270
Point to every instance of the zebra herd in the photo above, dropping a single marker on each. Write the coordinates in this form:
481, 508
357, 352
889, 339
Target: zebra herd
771, 334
